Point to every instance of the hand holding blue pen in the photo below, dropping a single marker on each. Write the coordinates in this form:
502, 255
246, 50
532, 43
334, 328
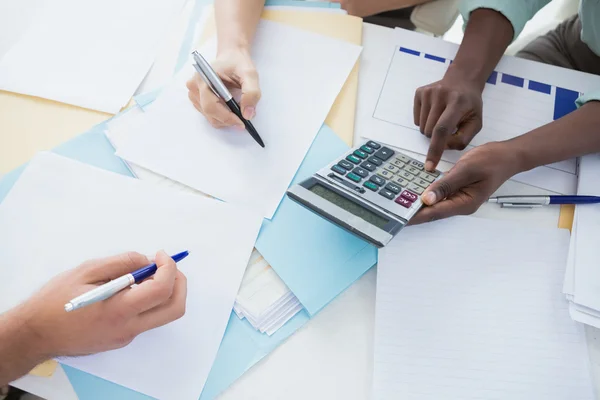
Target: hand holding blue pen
116, 285
39, 329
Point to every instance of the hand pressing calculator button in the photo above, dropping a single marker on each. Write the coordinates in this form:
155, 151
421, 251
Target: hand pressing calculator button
372, 192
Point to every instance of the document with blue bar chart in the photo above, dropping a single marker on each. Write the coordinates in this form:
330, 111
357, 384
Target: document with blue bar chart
519, 96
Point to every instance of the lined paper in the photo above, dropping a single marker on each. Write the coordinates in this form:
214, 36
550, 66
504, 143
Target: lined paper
470, 308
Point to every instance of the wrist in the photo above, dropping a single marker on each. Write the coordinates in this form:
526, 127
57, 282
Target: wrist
472, 76
521, 158
20, 348
238, 47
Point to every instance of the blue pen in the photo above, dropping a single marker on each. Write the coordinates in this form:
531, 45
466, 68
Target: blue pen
538, 201
116, 285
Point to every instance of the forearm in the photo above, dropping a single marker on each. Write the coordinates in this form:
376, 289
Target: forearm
574, 135
487, 35
20, 350
236, 23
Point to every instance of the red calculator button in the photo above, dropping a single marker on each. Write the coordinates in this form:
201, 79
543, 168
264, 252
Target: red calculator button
403, 202
409, 196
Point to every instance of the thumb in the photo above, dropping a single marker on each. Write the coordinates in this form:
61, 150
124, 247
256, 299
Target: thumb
454, 180
250, 93
162, 260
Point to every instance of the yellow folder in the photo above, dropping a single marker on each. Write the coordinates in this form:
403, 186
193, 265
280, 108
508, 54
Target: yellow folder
340, 26
30, 124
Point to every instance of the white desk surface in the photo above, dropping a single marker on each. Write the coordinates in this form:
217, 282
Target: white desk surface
332, 356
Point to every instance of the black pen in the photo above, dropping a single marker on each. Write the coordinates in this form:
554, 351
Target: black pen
215, 84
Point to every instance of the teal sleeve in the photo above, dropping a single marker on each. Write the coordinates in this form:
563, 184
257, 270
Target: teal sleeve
592, 96
518, 12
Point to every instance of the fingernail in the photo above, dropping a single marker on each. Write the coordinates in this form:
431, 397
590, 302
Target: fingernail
241, 127
249, 112
429, 198
429, 166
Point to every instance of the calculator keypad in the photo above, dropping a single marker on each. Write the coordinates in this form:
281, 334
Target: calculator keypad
386, 174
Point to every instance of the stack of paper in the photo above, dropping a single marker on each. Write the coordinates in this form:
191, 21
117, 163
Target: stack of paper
582, 279
96, 213
263, 299
486, 321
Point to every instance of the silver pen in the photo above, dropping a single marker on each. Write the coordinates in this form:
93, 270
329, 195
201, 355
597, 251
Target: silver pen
539, 201
210, 77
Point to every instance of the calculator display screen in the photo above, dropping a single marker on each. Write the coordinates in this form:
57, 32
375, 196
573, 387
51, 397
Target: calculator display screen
349, 206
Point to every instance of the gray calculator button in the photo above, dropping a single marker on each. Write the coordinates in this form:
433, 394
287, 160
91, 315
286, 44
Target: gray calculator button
377, 180
398, 180
388, 194
398, 163
414, 188
417, 164
421, 182
424, 175
393, 188
368, 166
392, 168
406, 175
413, 170
384, 153
435, 173
403, 158
363, 173
384, 173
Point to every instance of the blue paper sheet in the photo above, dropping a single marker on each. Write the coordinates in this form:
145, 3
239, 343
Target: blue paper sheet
316, 259
91, 148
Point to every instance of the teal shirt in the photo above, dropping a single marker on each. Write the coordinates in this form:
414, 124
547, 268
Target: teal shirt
518, 12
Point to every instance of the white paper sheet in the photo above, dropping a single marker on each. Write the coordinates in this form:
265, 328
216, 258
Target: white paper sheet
389, 81
587, 250
92, 54
469, 308
301, 73
88, 213
164, 64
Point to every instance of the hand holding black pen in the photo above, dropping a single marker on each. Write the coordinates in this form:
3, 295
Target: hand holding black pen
210, 77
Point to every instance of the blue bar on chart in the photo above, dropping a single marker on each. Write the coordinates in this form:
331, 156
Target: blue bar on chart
493, 78
564, 102
539, 87
512, 80
435, 58
410, 51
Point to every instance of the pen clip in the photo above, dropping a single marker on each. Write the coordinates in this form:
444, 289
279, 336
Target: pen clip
519, 205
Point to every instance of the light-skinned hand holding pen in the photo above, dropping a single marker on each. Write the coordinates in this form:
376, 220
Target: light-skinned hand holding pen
40, 329
236, 25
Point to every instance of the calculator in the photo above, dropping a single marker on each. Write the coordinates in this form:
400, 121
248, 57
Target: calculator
372, 191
